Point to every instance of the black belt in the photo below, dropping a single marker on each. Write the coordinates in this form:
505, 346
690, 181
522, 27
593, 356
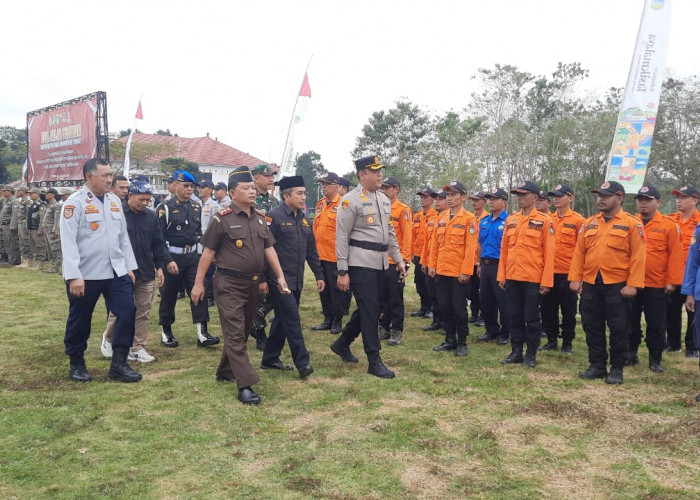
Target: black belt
369, 245
236, 274
489, 261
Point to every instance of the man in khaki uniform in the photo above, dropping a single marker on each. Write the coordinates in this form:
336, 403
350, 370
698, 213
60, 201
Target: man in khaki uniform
22, 231
48, 226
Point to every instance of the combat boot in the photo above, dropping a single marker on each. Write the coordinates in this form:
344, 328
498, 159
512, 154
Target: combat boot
203, 337
78, 370
167, 338
395, 337
655, 362
337, 325
260, 339
343, 351
631, 358
593, 372
120, 369
614, 377
325, 325
530, 359
515, 356
549, 346
376, 366
383, 332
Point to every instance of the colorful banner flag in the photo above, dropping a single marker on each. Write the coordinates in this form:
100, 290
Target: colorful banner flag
127, 160
287, 165
631, 145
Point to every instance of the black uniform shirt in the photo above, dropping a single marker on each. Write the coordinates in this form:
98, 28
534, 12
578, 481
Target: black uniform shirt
180, 222
295, 245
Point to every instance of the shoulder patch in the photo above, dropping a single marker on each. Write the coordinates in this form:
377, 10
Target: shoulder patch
260, 212
68, 211
345, 204
216, 217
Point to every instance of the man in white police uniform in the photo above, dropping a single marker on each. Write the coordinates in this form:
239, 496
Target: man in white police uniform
97, 260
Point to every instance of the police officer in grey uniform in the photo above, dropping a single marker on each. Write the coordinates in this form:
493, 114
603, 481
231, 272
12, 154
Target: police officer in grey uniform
98, 260
364, 240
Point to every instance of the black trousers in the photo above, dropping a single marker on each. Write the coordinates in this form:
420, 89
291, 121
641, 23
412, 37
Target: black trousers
286, 326
493, 302
452, 298
419, 279
432, 298
333, 301
651, 301
391, 304
524, 312
674, 321
119, 298
366, 285
474, 298
187, 265
601, 304
559, 297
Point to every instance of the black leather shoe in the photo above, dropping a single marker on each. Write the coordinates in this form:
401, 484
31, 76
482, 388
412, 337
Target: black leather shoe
549, 346
472, 319
514, 357
79, 373
277, 365
593, 372
502, 341
418, 314
429, 315
672, 349
485, 337
567, 349
305, 371
336, 326
247, 396
691, 354
326, 325
432, 327
203, 337
479, 322
461, 350
344, 352
445, 346
655, 366
614, 377
529, 360
631, 359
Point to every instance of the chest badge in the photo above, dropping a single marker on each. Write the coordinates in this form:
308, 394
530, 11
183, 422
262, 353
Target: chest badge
239, 243
94, 226
370, 220
260, 222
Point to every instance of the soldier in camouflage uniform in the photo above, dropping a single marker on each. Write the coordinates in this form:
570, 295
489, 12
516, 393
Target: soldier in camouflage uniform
3, 253
35, 212
50, 228
12, 236
22, 231
263, 176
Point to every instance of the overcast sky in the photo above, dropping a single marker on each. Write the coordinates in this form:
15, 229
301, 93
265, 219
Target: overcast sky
234, 68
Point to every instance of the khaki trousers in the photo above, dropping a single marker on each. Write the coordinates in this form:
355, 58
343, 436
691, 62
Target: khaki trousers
143, 300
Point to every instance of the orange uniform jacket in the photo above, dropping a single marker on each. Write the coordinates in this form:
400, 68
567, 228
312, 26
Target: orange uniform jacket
324, 228
566, 231
616, 248
687, 229
420, 219
453, 250
664, 263
527, 249
430, 225
401, 218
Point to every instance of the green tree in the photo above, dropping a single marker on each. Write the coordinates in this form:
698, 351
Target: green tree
310, 167
169, 165
13, 153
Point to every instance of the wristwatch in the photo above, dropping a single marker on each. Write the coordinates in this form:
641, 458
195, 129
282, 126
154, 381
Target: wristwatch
342, 272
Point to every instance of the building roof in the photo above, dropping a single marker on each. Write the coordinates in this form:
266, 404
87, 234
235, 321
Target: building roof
201, 150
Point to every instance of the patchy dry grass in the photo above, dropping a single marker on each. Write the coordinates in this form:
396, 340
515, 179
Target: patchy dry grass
446, 427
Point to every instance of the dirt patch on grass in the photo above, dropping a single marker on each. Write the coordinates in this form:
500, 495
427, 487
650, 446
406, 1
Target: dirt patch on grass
249, 467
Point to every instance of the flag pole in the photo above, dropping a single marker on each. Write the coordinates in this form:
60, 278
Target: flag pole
286, 152
127, 159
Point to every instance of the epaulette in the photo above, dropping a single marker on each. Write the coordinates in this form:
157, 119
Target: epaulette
260, 212
226, 211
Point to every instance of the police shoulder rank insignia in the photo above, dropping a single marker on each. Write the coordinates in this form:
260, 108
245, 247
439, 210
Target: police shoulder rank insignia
260, 212
216, 218
68, 211
345, 204
226, 211
304, 222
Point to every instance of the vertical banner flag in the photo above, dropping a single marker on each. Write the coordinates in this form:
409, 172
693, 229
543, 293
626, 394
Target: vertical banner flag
287, 165
631, 145
127, 160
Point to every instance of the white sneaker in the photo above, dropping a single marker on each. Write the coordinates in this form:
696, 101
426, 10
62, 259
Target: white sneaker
141, 356
106, 346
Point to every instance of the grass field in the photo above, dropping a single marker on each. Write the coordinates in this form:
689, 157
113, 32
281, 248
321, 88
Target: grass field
445, 427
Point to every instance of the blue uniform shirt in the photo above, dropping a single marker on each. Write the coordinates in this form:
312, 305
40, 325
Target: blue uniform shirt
691, 280
491, 234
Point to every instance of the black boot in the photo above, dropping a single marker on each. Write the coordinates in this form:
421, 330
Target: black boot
326, 325
419, 313
167, 338
530, 359
515, 356
337, 325
632, 358
78, 370
343, 351
260, 339
549, 346
376, 367
434, 326
203, 337
593, 372
120, 369
461, 349
450, 343
655, 362
614, 377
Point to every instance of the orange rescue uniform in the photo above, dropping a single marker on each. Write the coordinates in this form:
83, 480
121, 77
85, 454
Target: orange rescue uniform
616, 249
401, 218
664, 257
324, 228
418, 231
687, 229
566, 231
430, 225
453, 246
527, 249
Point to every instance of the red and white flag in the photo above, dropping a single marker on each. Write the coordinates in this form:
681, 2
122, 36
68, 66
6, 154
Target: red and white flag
287, 165
127, 161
